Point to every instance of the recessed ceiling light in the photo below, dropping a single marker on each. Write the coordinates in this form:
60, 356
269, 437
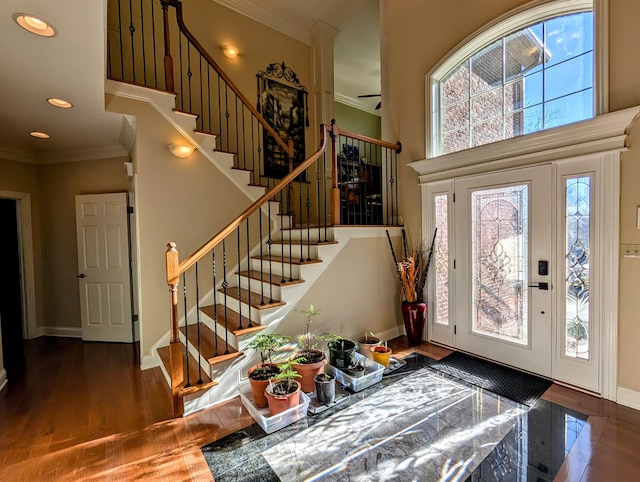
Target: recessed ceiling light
34, 24
39, 135
60, 103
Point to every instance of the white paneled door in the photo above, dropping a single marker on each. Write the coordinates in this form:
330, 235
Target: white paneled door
103, 267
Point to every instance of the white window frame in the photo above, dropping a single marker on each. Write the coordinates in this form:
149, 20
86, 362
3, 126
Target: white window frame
511, 21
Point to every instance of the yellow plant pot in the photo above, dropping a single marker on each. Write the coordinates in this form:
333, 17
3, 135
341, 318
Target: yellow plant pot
381, 354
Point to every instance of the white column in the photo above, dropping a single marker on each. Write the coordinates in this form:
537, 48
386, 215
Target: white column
322, 39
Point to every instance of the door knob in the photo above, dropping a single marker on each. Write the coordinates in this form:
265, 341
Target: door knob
81, 275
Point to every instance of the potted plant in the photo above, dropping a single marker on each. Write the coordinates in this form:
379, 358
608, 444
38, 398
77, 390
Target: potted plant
381, 354
357, 370
283, 390
259, 375
366, 343
341, 352
325, 388
412, 272
314, 359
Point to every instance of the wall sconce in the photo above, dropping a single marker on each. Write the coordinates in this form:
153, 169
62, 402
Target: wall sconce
181, 151
230, 51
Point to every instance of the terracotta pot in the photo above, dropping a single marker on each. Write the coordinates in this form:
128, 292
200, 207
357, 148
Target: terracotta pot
280, 403
258, 386
366, 343
381, 354
308, 371
414, 315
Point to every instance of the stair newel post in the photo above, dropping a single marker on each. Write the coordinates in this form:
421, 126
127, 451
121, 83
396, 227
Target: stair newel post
168, 60
175, 351
335, 191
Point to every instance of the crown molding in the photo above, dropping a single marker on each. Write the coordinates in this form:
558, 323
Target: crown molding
356, 104
17, 156
265, 17
77, 155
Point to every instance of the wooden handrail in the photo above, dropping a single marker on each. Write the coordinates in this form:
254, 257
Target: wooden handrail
396, 147
227, 230
288, 148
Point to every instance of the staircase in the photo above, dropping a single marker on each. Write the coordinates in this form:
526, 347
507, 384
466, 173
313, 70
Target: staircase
248, 276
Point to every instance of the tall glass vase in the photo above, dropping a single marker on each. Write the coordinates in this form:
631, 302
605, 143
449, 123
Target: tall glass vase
414, 315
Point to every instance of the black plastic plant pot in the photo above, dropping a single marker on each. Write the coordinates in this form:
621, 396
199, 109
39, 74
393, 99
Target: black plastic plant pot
325, 388
341, 353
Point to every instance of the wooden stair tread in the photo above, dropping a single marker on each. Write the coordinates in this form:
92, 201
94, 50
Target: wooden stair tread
232, 319
278, 259
205, 133
304, 243
186, 113
208, 344
276, 279
252, 298
164, 351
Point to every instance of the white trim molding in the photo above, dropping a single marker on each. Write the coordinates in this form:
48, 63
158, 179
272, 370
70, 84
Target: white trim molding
603, 133
629, 398
62, 331
27, 268
355, 103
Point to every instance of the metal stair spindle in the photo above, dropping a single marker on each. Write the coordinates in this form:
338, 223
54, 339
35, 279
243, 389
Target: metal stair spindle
225, 285
301, 224
239, 278
186, 326
262, 303
308, 206
269, 243
215, 301
249, 271
198, 326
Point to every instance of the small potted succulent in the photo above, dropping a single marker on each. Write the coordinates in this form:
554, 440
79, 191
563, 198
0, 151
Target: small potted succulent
259, 375
314, 359
283, 390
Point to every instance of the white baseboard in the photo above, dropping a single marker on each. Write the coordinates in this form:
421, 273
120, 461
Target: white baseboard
628, 398
3, 379
63, 331
150, 361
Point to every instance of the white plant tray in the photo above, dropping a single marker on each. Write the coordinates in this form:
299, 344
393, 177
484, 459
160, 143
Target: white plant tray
373, 374
275, 422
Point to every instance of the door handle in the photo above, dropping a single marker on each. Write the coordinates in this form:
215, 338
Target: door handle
81, 275
540, 286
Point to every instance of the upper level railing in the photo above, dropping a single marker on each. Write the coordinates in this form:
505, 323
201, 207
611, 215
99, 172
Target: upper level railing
149, 45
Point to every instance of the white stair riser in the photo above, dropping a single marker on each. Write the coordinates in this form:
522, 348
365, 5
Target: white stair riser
260, 287
312, 234
276, 268
305, 251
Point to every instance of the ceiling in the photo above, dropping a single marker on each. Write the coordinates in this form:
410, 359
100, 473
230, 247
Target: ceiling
71, 66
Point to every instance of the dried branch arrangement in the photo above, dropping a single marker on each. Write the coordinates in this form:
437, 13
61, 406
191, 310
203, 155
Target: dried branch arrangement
414, 267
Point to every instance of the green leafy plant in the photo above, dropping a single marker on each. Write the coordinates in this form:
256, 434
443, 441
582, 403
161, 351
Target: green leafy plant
307, 340
283, 382
268, 344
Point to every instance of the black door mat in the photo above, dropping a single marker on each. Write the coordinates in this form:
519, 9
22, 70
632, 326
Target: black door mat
507, 382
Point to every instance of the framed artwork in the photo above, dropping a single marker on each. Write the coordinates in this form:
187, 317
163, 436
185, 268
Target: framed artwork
284, 107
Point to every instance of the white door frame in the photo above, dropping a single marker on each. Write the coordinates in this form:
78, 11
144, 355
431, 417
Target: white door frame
604, 136
27, 269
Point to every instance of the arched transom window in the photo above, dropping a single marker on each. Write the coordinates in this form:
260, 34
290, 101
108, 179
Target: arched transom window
526, 74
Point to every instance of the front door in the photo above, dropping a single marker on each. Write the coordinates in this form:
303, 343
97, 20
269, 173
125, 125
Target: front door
503, 250
103, 267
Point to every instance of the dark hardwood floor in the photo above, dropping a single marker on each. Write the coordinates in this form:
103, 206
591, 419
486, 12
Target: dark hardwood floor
85, 411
